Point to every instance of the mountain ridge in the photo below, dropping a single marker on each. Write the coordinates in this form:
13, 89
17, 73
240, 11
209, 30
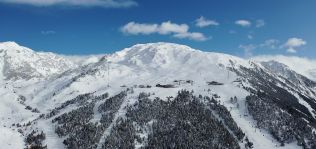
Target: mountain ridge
19, 62
133, 89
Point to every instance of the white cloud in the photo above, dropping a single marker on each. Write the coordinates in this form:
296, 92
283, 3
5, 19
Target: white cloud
243, 23
177, 30
260, 23
87, 3
49, 32
169, 27
203, 22
270, 43
293, 43
194, 36
294, 63
83, 59
291, 50
138, 28
248, 49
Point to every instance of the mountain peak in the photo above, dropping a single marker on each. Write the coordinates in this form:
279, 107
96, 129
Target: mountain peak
157, 47
157, 54
12, 47
170, 55
9, 43
18, 62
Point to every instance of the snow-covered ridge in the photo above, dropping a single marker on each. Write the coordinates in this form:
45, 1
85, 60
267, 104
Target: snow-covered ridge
301, 65
158, 69
21, 63
18, 62
164, 55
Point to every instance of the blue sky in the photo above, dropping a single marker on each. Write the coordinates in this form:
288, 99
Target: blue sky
239, 27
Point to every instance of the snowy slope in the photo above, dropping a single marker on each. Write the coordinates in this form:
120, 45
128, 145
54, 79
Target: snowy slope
135, 68
18, 62
303, 66
20, 68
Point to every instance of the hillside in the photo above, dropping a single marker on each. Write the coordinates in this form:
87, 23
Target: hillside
155, 95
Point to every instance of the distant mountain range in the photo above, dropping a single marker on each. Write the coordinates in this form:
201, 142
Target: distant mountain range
155, 95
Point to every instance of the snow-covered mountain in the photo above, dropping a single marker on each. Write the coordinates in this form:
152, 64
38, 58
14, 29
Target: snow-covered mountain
18, 62
304, 66
156, 95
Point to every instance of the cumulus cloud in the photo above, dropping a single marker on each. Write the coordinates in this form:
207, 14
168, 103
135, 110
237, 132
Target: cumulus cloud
290, 45
260, 23
177, 30
83, 59
138, 28
169, 27
294, 63
243, 23
87, 3
192, 36
293, 43
270, 43
248, 49
164, 28
267, 44
203, 22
